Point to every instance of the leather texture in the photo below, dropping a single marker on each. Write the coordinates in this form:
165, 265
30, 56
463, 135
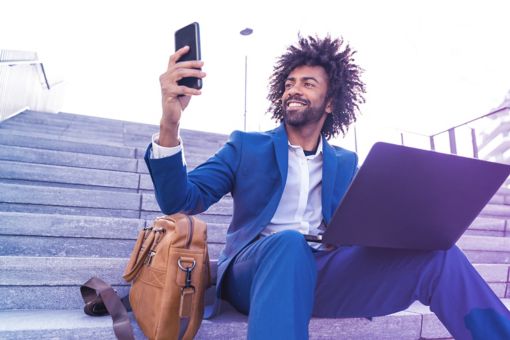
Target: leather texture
169, 273
100, 299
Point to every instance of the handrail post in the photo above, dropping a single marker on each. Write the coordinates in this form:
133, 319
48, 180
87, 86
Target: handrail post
453, 143
474, 143
402, 138
432, 144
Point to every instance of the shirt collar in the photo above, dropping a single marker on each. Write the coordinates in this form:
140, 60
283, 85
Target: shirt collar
317, 153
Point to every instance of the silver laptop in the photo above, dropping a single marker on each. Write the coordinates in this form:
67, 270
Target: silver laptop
409, 198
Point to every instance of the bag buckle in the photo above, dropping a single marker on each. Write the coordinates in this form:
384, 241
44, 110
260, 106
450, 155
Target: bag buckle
188, 291
188, 270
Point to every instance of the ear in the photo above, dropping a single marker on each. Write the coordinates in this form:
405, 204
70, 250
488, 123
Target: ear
329, 107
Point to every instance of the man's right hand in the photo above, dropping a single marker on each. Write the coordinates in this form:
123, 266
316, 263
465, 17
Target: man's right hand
175, 98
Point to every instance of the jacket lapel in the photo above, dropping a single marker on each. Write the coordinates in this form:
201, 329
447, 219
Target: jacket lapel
329, 167
281, 148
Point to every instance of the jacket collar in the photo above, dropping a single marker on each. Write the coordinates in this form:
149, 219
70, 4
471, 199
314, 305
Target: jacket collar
329, 167
281, 145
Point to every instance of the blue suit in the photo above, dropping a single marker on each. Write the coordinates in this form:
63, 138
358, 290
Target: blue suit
280, 281
253, 168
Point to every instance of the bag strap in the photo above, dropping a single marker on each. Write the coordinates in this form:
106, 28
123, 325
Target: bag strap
94, 288
137, 260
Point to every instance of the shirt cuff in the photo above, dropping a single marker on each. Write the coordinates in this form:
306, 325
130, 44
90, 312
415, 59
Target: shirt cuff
159, 151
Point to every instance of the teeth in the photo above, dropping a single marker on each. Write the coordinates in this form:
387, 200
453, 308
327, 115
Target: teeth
294, 104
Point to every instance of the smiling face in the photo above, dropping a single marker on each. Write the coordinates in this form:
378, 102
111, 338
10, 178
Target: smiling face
304, 99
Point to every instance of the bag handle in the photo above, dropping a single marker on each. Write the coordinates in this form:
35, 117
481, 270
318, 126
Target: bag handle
137, 260
94, 288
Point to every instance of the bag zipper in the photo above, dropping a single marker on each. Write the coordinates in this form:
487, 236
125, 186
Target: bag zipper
190, 233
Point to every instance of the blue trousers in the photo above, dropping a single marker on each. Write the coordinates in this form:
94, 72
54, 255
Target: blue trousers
280, 283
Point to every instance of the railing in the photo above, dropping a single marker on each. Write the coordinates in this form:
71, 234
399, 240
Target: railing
24, 84
486, 137
476, 137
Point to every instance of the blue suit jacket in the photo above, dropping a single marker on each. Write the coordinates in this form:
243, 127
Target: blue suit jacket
253, 168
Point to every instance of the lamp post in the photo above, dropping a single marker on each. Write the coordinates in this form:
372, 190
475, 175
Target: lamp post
245, 32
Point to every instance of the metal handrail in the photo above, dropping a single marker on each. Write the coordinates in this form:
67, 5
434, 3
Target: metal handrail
499, 110
451, 132
12, 63
31, 85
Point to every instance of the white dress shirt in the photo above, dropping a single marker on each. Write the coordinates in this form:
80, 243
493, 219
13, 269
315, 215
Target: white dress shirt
300, 207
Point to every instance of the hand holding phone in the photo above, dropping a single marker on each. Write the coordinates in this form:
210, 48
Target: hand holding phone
177, 91
189, 36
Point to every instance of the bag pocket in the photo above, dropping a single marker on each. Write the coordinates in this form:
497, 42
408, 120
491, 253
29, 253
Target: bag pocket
146, 297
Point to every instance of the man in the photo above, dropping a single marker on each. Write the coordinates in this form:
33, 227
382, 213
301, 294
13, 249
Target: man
288, 182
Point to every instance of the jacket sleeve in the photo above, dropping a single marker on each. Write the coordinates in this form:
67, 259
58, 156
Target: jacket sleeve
194, 192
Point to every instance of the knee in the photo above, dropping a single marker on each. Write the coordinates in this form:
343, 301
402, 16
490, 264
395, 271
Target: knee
290, 239
446, 264
452, 259
292, 245
447, 258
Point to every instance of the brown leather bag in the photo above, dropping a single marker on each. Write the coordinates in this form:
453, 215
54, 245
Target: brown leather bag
169, 273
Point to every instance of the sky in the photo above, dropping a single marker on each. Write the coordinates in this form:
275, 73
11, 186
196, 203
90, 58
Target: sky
428, 65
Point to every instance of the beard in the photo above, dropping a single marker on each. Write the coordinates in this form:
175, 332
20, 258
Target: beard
302, 117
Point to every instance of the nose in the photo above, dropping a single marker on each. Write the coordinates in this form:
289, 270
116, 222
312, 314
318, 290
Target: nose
294, 89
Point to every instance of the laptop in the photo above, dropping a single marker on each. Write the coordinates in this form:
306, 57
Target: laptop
410, 198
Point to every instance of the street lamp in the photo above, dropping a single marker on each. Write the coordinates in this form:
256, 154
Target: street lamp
245, 32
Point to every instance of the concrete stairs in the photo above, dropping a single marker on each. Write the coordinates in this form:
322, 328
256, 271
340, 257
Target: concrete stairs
74, 192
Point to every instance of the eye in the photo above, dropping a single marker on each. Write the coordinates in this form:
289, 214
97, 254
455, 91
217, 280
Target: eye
288, 85
309, 85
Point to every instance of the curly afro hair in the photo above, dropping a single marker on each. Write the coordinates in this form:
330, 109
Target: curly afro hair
345, 86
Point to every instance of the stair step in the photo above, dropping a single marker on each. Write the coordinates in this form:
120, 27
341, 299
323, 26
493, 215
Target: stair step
59, 278
43, 199
54, 282
82, 160
194, 156
487, 226
54, 175
229, 325
70, 159
58, 324
484, 243
23, 234
14, 245
502, 196
84, 211
54, 225
77, 145
32, 282
124, 133
67, 197
417, 322
128, 128
496, 210
43, 231
485, 249
134, 129
65, 133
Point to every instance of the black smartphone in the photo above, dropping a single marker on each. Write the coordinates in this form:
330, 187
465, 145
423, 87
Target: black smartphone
190, 36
